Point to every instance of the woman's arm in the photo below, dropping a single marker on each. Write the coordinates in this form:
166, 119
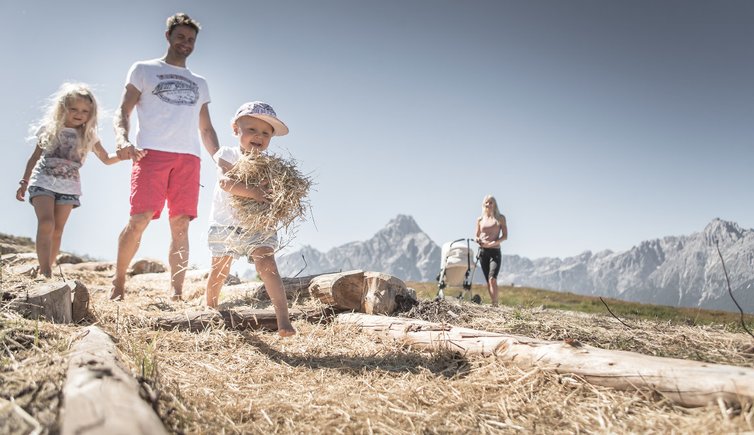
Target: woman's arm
24, 182
503, 229
106, 158
238, 188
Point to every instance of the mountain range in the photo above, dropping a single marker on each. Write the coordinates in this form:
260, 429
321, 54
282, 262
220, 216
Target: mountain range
684, 271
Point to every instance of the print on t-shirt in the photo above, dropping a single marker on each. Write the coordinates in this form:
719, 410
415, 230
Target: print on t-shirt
175, 89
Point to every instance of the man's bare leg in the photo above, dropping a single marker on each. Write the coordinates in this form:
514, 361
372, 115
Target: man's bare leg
128, 244
179, 254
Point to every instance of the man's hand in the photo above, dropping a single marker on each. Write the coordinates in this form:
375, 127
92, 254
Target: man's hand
130, 151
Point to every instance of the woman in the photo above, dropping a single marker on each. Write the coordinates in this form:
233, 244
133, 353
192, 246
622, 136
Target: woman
491, 230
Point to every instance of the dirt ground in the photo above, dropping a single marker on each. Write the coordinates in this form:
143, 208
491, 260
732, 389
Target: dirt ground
333, 378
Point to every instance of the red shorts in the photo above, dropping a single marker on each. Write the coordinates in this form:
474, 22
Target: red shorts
161, 176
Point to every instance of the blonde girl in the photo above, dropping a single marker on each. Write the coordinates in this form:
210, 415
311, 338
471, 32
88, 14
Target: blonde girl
64, 136
491, 230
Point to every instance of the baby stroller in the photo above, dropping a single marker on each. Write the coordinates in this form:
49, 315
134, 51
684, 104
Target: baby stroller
457, 266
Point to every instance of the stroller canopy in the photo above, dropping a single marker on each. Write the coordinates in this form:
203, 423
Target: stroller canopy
456, 258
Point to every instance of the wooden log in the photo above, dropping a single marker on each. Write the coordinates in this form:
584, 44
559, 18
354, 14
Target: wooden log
234, 318
687, 383
80, 303
51, 301
381, 293
295, 288
343, 290
356, 290
99, 396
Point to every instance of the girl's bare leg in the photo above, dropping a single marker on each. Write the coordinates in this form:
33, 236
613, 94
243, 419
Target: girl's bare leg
217, 276
62, 212
264, 262
44, 207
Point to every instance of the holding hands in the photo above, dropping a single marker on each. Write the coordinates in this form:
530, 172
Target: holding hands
129, 151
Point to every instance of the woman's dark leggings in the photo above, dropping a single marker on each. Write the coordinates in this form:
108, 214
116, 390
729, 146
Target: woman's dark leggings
490, 258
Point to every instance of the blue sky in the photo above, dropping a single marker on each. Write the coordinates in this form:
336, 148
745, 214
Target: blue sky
595, 124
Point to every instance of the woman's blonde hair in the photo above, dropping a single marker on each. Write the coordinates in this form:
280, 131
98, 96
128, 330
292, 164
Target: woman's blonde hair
55, 113
495, 211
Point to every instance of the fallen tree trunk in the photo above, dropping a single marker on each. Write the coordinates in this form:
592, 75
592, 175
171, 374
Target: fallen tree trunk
101, 397
234, 318
687, 383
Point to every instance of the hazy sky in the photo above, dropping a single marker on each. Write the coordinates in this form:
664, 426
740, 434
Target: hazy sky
595, 124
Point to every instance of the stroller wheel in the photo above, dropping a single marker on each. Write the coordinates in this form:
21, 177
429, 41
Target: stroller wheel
476, 299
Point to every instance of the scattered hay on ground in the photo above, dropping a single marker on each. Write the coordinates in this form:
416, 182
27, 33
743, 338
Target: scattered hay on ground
332, 378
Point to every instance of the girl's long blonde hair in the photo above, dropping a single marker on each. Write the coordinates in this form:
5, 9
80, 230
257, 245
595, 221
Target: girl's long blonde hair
495, 211
55, 112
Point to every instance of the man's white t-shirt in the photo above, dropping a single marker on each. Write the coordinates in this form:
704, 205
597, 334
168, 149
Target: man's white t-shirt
169, 106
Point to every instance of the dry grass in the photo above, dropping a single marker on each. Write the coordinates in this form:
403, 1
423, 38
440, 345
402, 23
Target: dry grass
288, 193
334, 379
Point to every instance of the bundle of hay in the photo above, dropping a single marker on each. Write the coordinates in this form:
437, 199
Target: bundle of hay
288, 196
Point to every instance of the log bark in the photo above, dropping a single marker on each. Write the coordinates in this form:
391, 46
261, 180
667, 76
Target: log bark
234, 318
99, 396
687, 383
295, 288
51, 301
80, 303
343, 290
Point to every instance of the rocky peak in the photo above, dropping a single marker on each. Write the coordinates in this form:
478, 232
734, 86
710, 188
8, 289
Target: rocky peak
400, 226
722, 231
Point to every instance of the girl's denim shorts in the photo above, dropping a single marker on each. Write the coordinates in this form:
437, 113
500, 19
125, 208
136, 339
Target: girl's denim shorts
60, 198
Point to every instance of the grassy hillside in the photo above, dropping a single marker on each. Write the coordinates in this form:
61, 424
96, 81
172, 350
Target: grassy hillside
526, 297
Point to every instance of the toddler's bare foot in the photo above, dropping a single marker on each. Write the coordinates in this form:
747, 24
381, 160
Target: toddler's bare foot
177, 297
117, 292
286, 330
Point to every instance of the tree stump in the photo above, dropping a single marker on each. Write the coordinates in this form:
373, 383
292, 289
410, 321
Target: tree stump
356, 290
100, 397
51, 301
381, 293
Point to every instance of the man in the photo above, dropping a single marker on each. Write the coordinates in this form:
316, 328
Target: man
172, 106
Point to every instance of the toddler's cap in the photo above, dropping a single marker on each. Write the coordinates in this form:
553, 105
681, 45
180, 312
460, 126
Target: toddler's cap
265, 112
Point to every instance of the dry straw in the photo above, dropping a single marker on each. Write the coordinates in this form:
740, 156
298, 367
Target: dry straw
288, 192
333, 378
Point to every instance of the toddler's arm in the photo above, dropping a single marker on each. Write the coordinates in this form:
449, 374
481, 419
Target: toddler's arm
24, 182
236, 187
106, 158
